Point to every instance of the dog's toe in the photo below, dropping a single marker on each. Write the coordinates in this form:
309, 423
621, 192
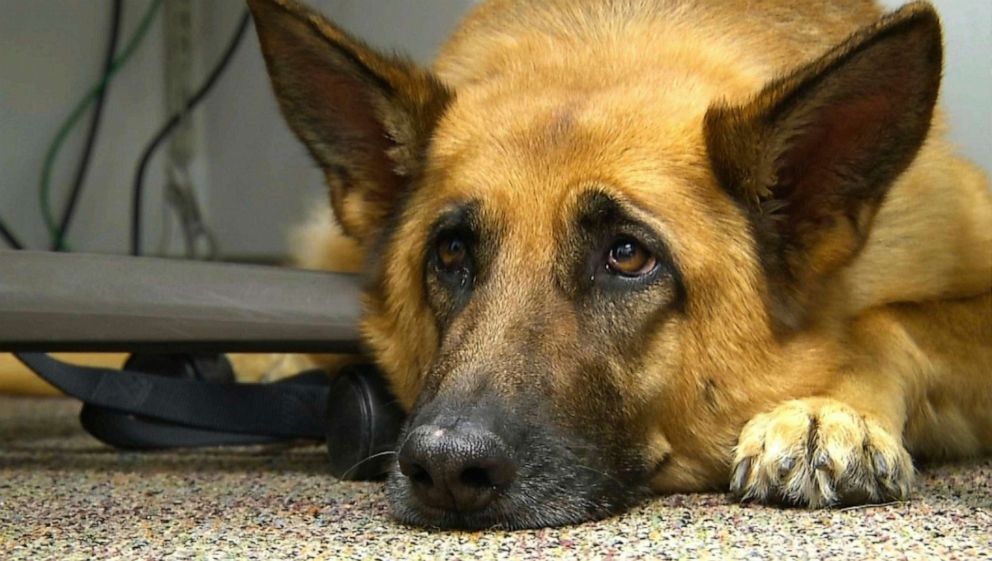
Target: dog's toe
818, 453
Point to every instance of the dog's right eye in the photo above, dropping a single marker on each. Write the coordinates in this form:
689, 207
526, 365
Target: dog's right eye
452, 253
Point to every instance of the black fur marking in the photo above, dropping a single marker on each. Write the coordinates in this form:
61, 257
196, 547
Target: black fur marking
560, 480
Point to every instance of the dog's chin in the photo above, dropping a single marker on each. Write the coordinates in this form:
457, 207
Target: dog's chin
539, 501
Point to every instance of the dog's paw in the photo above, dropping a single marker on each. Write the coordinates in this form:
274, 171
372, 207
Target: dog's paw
267, 367
817, 453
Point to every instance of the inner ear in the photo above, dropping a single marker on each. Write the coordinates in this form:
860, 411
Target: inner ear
813, 155
365, 117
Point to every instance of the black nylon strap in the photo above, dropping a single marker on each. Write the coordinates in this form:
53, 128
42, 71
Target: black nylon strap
287, 410
122, 430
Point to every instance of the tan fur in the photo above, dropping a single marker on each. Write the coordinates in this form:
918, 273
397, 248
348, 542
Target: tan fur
557, 94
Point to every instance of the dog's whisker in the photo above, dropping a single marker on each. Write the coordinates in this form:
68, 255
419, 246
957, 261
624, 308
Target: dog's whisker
599, 472
363, 461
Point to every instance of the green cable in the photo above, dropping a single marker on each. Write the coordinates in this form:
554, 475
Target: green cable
80, 109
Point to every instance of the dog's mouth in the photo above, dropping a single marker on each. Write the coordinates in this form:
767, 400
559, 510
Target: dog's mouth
461, 474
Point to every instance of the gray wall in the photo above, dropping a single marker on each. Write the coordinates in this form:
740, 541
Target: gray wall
254, 178
50, 52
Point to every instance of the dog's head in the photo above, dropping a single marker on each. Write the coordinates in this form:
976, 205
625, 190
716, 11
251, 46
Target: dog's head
577, 292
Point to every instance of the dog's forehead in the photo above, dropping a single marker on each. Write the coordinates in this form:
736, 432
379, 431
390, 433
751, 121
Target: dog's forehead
536, 157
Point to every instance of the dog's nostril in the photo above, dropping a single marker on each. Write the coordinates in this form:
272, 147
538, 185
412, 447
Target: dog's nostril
416, 473
477, 477
420, 476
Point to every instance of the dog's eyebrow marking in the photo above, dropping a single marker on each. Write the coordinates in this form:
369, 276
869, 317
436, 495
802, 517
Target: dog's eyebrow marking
600, 205
598, 209
596, 206
462, 217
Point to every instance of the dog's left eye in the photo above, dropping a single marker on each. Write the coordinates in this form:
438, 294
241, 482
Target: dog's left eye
629, 258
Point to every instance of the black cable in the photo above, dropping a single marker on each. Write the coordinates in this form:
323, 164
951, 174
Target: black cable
167, 128
77, 186
9, 236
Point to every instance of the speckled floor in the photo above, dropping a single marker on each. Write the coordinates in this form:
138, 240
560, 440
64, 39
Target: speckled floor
65, 496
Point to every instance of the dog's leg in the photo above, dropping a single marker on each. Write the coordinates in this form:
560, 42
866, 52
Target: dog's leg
268, 367
844, 445
911, 377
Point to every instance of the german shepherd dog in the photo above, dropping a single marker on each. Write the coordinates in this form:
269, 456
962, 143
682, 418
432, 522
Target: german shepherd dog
616, 247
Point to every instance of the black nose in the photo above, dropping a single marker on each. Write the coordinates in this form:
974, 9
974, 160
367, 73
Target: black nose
459, 468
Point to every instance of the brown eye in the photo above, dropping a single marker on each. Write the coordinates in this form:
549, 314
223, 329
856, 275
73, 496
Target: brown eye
451, 253
630, 259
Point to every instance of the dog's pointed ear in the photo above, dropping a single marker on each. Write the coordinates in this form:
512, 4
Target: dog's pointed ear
812, 156
366, 118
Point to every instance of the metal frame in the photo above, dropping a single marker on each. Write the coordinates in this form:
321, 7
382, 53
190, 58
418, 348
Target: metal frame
101, 303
